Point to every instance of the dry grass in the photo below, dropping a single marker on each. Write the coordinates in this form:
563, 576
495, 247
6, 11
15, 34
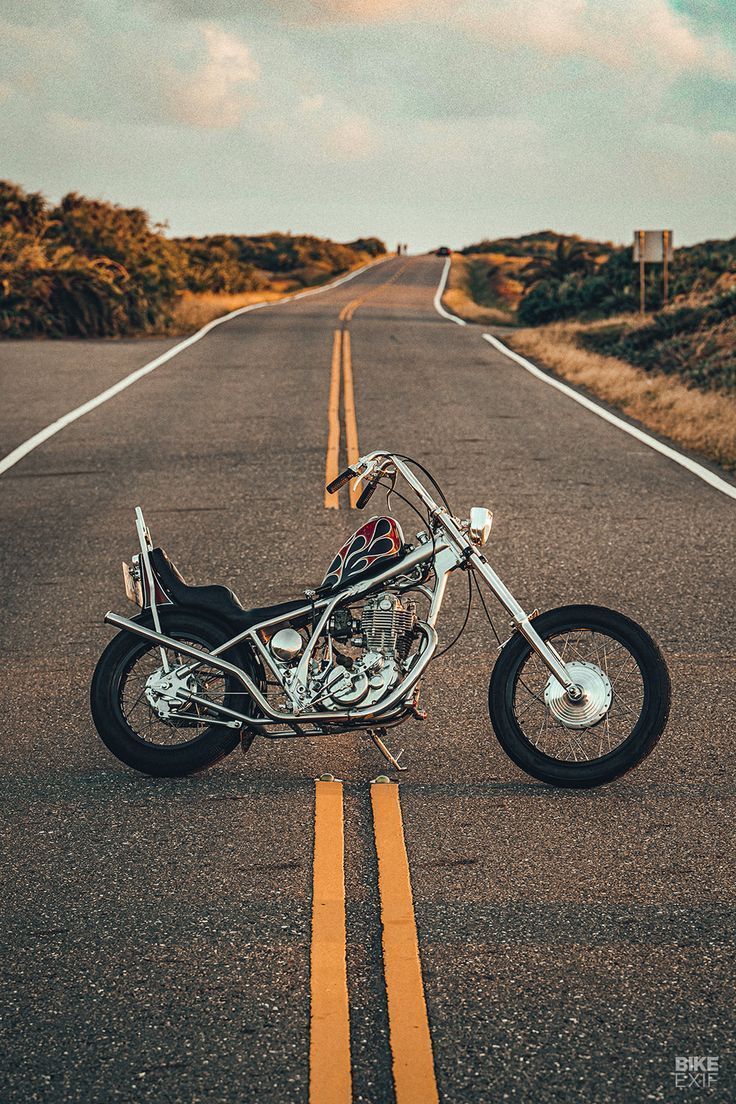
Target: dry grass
703, 422
505, 283
192, 311
459, 301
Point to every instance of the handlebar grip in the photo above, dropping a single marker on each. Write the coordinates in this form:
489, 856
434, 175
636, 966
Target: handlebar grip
343, 478
366, 494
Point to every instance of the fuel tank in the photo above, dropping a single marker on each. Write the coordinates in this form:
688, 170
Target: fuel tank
370, 549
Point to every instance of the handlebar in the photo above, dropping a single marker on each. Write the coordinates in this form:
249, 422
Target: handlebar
343, 478
372, 465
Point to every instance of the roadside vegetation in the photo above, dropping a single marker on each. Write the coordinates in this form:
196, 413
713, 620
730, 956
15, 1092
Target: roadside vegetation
574, 308
85, 268
192, 310
702, 421
480, 291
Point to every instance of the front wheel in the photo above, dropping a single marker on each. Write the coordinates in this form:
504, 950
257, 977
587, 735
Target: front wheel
617, 721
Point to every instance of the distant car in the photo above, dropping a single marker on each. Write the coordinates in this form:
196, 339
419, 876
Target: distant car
443, 251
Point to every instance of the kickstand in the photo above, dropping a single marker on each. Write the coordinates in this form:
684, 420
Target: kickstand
376, 737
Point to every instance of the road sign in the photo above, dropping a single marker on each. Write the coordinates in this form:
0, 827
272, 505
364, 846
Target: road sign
653, 247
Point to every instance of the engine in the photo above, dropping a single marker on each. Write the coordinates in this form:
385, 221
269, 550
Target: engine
388, 625
385, 633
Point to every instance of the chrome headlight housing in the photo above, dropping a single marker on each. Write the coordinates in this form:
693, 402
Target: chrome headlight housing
479, 525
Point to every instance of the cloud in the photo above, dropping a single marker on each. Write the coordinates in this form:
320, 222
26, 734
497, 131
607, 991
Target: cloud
726, 139
198, 75
64, 123
212, 95
28, 53
363, 11
353, 138
620, 34
310, 104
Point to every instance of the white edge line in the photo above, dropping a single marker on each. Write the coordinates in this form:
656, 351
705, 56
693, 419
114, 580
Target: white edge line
440, 292
37, 439
671, 454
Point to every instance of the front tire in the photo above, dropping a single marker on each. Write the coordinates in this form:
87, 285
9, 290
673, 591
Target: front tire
129, 726
628, 707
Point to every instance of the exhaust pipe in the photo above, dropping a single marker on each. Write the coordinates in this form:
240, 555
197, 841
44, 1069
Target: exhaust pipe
366, 713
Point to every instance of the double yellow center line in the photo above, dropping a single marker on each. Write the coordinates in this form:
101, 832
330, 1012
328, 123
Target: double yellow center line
342, 366
330, 1077
341, 360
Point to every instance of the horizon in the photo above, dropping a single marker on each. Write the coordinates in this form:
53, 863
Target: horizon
249, 233
409, 120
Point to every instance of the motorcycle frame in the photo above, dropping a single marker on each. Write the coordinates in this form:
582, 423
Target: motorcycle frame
448, 548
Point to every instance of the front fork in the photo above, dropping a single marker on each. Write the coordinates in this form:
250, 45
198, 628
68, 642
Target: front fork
545, 651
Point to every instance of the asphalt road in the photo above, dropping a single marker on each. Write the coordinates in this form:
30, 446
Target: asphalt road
157, 932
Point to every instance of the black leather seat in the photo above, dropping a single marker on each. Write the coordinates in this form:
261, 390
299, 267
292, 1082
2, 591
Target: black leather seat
219, 601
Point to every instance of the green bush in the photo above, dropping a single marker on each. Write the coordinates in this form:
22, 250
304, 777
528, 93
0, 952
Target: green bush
696, 342
214, 264
569, 277
68, 296
374, 247
538, 243
81, 269
611, 288
88, 268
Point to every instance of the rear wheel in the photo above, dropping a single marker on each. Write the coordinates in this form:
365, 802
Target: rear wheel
133, 720
616, 722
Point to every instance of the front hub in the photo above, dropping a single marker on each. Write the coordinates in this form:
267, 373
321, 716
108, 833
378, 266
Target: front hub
590, 701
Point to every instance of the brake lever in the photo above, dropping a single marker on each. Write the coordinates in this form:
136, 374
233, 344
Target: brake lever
366, 474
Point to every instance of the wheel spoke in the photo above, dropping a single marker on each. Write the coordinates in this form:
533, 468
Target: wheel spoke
616, 668
192, 719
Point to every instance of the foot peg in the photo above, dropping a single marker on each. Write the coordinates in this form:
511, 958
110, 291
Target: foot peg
420, 714
392, 759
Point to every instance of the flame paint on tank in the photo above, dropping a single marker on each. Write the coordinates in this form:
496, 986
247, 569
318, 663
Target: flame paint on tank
367, 551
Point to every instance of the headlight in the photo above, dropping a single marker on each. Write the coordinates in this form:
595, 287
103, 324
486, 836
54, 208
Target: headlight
479, 526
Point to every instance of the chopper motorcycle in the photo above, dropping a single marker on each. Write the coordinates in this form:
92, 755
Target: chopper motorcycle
578, 696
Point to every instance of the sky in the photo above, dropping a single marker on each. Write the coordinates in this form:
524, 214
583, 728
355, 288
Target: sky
425, 121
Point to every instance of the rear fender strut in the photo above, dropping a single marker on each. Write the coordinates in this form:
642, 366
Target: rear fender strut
193, 653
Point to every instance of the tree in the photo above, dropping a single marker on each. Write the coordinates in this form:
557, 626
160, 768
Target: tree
22, 212
569, 257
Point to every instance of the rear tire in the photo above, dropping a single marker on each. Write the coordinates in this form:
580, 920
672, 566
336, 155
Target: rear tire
511, 680
191, 753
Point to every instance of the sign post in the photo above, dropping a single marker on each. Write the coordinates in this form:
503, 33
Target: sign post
652, 247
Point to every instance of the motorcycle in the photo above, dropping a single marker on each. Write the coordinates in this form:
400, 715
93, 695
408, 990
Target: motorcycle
578, 696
